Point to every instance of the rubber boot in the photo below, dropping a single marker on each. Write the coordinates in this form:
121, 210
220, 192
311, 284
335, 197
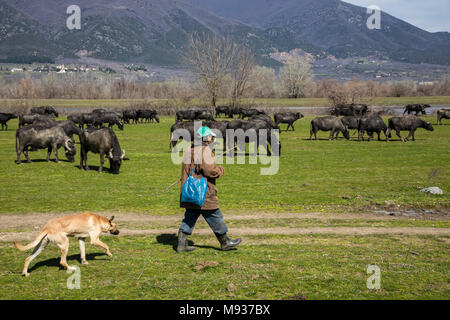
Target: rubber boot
183, 243
226, 243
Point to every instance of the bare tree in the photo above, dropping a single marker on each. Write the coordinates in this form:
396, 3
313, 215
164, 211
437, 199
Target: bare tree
295, 77
212, 58
243, 68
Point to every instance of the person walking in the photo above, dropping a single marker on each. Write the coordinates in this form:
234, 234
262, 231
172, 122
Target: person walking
200, 162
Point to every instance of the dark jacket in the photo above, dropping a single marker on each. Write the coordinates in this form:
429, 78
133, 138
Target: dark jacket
206, 168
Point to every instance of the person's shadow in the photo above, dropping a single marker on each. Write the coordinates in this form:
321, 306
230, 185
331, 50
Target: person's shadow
171, 239
54, 262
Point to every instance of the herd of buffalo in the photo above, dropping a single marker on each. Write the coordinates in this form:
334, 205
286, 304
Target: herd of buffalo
41, 130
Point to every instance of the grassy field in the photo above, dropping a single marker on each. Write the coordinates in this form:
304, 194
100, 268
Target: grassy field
313, 175
303, 102
308, 232
266, 267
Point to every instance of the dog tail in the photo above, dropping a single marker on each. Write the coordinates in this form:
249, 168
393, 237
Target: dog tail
32, 244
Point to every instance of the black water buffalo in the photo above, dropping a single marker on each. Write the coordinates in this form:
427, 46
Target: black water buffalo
98, 111
222, 110
204, 115
148, 116
417, 108
234, 111
75, 118
44, 110
342, 110
349, 110
350, 122
328, 123
102, 141
194, 114
248, 113
287, 117
4, 118
443, 114
33, 138
111, 118
265, 118
130, 115
407, 123
253, 129
371, 124
69, 128
360, 109
88, 119
30, 118
189, 115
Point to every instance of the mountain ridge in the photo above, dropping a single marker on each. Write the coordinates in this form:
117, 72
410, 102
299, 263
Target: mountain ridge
156, 31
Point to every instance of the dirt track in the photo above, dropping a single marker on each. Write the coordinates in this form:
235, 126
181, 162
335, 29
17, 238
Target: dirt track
26, 227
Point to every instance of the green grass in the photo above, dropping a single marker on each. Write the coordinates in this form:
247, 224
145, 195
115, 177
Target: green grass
302, 102
264, 267
313, 175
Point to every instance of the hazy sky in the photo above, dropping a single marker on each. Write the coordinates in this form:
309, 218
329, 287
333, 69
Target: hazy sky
430, 15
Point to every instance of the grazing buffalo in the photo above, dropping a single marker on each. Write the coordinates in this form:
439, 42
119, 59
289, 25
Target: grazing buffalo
342, 110
128, 115
371, 124
351, 123
360, 109
265, 118
408, 123
234, 111
194, 114
102, 141
30, 118
88, 119
44, 111
69, 128
349, 110
443, 114
33, 138
254, 129
189, 115
111, 118
98, 111
287, 117
148, 116
4, 118
417, 108
75, 118
329, 123
222, 110
248, 113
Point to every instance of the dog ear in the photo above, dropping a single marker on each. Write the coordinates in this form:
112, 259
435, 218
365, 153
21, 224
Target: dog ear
111, 219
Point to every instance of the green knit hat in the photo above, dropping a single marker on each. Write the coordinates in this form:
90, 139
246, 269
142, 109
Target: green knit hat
205, 131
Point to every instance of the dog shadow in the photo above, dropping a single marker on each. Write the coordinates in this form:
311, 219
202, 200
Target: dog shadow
171, 239
54, 262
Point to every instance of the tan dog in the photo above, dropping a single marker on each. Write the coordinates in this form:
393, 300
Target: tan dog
79, 226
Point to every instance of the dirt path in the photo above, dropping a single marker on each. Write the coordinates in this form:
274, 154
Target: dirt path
26, 227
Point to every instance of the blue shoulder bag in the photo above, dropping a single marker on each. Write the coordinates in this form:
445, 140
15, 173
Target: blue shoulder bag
194, 190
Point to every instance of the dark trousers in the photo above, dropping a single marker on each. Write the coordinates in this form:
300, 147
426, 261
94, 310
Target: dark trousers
213, 217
